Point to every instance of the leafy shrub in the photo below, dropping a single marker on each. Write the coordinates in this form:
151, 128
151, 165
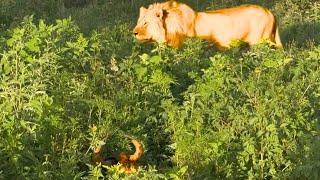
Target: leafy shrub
57, 84
250, 115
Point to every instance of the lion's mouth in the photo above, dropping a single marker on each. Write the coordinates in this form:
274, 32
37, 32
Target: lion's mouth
146, 40
143, 39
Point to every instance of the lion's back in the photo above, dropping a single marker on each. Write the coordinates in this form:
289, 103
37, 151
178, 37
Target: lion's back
245, 22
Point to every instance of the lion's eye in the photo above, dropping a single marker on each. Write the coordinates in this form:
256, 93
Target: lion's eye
145, 23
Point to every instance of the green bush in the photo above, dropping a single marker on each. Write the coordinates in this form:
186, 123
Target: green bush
251, 115
56, 84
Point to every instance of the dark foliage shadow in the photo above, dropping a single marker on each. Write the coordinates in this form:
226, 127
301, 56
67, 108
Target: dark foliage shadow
302, 34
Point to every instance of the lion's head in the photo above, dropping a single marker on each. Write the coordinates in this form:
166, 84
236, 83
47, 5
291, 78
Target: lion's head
167, 22
150, 26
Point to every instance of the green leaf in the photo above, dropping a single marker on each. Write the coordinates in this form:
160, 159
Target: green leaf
271, 63
271, 127
155, 59
141, 72
5, 66
33, 45
160, 78
10, 42
144, 58
183, 170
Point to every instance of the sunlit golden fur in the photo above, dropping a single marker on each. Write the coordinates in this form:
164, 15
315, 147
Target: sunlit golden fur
171, 22
128, 163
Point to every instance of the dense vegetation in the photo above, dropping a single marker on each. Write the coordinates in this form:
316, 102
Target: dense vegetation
72, 76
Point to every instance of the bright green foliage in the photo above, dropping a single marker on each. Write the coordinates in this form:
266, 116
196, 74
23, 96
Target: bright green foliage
250, 115
31, 131
244, 113
62, 94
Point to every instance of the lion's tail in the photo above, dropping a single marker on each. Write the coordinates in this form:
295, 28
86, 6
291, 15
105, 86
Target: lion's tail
139, 151
277, 39
275, 31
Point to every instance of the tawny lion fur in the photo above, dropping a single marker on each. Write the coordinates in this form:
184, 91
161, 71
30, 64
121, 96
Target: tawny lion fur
171, 22
127, 161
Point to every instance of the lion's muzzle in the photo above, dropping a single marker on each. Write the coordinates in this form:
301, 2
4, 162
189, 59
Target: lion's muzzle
140, 35
135, 32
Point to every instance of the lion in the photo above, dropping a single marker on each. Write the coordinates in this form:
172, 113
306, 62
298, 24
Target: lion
171, 22
128, 163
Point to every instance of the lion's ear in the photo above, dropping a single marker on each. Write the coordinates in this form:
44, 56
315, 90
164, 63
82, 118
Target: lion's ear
161, 13
142, 10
